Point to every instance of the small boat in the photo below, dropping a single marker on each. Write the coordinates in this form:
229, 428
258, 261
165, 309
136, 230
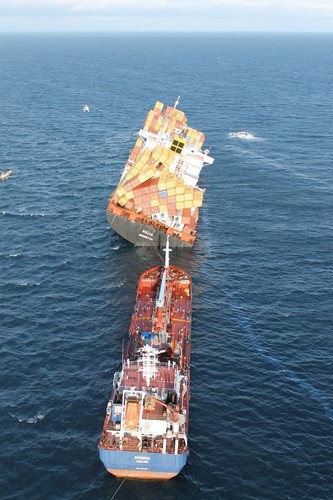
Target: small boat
242, 135
86, 108
5, 175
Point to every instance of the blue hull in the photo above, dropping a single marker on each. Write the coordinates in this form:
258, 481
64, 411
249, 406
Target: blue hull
145, 465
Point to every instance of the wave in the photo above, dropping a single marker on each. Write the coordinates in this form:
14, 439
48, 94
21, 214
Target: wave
23, 283
24, 214
9, 256
243, 135
27, 419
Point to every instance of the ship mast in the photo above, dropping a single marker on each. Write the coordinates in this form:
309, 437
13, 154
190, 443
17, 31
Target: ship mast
161, 295
167, 251
160, 301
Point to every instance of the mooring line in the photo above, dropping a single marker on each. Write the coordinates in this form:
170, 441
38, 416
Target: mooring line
119, 488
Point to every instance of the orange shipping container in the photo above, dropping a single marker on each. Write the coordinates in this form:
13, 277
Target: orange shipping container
187, 230
137, 198
193, 222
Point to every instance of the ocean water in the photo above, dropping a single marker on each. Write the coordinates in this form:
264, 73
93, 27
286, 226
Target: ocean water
261, 417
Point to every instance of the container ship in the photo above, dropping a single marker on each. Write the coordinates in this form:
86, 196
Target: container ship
157, 195
145, 431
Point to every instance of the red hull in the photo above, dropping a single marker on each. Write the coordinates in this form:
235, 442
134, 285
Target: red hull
145, 430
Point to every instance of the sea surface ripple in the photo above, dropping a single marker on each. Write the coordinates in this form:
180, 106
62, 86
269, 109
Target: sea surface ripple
261, 417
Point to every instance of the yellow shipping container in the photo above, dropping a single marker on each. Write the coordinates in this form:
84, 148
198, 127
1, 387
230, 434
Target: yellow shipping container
179, 190
171, 156
139, 142
154, 202
162, 176
159, 105
122, 201
196, 203
171, 192
197, 193
163, 208
135, 170
188, 196
120, 191
180, 205
188, 204
146, 155
159, 123
149, 119
142, 177
142, 158
150, 172
129, 196
164, 155
180, 115
198, 196
138, 164
156, 153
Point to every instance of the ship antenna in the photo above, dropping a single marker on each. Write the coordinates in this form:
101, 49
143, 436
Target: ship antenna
167, 251
177, 102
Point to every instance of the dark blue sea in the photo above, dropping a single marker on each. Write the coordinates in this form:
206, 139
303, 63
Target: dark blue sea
261, 416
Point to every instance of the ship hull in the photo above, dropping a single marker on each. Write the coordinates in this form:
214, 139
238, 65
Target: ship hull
141, 234
142, 465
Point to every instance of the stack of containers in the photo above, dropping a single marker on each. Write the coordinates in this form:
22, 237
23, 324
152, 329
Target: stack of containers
150, 186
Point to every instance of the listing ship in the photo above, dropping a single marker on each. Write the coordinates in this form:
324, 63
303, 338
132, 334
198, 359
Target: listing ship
145, 431
157, 195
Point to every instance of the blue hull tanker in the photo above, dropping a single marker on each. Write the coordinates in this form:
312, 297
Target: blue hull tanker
145, 431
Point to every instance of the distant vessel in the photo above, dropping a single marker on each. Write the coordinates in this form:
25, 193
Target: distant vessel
145, 431
242, 135
86, 108
5, 175
158, 194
